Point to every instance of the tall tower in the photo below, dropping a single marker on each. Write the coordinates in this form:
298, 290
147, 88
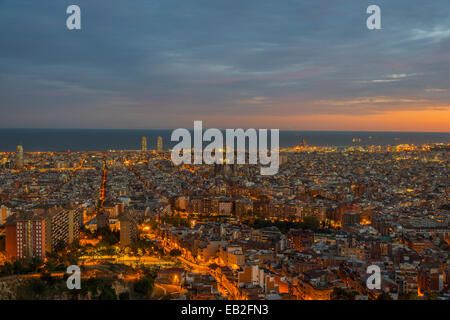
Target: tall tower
160, 144
144, 144
304, 144
19, 157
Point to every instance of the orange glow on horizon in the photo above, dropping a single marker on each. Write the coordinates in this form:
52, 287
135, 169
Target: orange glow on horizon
433, 120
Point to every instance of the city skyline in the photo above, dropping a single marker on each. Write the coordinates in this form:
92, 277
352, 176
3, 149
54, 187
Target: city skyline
191, 155
292, 66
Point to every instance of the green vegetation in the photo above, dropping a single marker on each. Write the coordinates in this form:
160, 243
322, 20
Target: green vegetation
176, 221
108, 237
47, 278
144, 287
99, 289
175, 253
342, 294
146, 247
124, 296
31, 289
107, 293
284, 226
45, 288
59, 259
213, 266
384, 296
408, 296
432, 296
24, 266
210, 217
106, 286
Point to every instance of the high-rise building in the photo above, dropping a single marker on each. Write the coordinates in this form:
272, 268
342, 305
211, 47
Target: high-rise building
11, 237
304, 144
5, 212
3, 162
160, 144
19, 157
63, 226
30, 235
144, 144
128, 228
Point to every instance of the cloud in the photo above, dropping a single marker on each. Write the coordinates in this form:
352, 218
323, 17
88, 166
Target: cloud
156, 64
372, 100
390, 78
436, 34
436, 90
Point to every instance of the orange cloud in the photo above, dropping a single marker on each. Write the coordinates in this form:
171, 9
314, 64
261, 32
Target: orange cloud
436, 120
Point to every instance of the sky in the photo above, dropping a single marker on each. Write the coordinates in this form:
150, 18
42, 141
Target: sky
285, 64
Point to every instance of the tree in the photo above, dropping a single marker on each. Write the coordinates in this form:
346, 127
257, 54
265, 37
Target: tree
144, 287
341, 294
175, 253
35, 264
213, 266
384, 296
47, 277
36, 286
60, 246
124, 295
432, 296
408, 296
310, 223
6, 269
151, 273
107, 293
108, 237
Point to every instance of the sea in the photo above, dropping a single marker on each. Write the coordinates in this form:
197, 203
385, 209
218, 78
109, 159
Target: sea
34, 140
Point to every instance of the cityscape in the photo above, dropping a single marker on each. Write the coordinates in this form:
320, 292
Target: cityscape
224, 158
140, 227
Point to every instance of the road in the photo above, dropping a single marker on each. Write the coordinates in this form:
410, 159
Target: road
201, 268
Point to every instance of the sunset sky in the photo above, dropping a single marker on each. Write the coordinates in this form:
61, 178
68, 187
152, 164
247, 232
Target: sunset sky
157, 64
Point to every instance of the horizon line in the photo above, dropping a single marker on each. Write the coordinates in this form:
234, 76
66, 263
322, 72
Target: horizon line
291, 130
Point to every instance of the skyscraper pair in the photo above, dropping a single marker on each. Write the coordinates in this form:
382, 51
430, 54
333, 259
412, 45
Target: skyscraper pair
159, 146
